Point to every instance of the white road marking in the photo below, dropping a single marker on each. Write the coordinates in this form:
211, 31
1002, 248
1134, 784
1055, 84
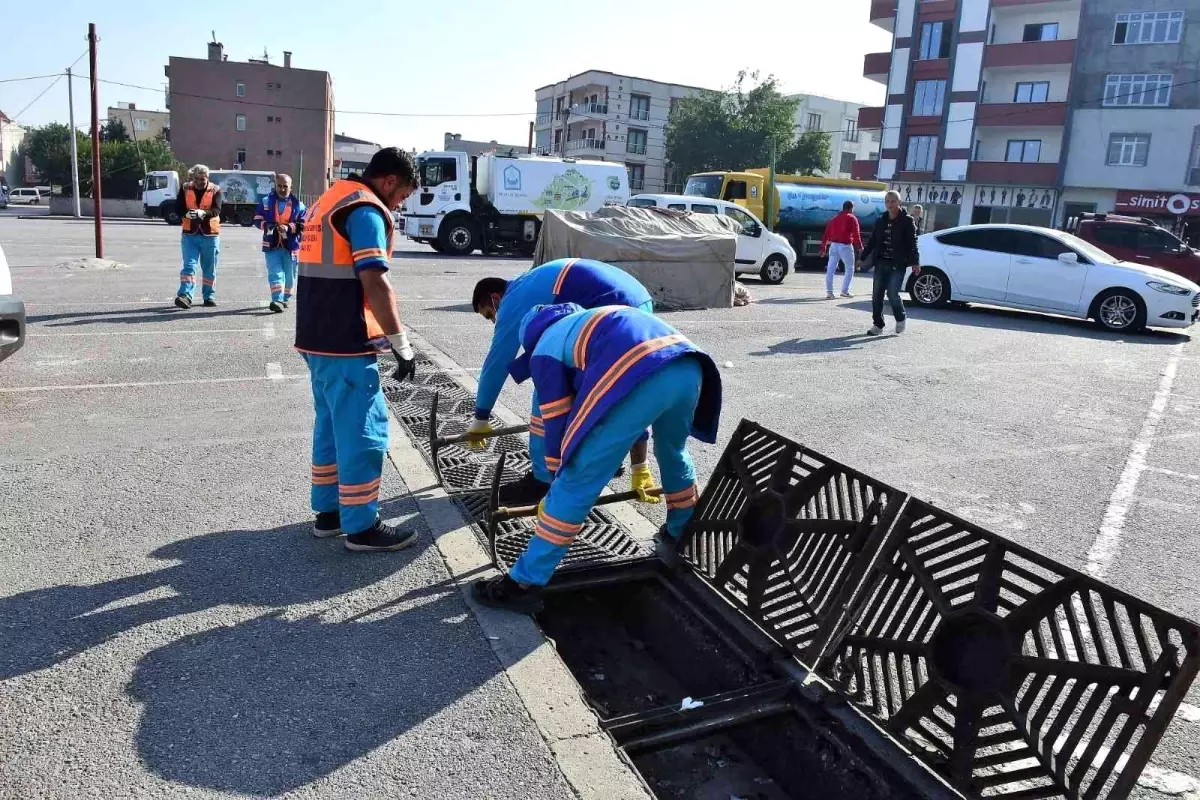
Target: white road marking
160, 332
274, 371
268, 330
1108, 540
1188, 712
144, 384
1173, 473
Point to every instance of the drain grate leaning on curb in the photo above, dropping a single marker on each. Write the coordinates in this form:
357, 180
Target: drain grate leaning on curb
1008, 674
467, 474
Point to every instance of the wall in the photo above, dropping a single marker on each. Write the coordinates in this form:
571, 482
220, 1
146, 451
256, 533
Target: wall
1009, 23
1001, 84
156, 121
119, 209
1171, 132
994, 142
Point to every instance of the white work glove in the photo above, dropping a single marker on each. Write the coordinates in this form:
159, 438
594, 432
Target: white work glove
406, 359
201, 213
480, 428
640, 480
192, 214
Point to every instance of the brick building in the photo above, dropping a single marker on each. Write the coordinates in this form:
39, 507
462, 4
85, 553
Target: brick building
260, 115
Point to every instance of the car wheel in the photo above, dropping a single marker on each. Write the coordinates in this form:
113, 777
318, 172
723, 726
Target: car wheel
457, 236
245, 217
1119, 311
930, 289
434, 244
169, 213
774, 270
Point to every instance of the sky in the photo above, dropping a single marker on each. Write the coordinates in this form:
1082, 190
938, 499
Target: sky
471, 68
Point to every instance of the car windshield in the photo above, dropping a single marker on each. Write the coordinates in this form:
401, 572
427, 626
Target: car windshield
704, 186
156, 182
1088, 250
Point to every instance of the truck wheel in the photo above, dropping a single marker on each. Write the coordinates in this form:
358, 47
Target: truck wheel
245, 217
458, 236
169, 214
774, 270
435, 245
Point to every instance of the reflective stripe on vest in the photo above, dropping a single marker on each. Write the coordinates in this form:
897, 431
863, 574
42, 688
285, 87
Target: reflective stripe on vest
206, 201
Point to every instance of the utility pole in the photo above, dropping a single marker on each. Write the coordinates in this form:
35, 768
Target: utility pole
300, 177
769, 200
74, 145
529, 148
95, 139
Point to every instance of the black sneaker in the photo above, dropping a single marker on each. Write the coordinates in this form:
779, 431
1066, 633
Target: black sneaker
284, 303
527, 491
329, 523
183, 301
210, 303
276, 307
504, 593
380, 538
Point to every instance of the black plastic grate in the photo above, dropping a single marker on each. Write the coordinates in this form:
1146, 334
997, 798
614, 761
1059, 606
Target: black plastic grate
1009, 674
785, 533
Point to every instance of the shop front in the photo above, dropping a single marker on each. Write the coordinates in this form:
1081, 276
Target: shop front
949, 204
1178, 212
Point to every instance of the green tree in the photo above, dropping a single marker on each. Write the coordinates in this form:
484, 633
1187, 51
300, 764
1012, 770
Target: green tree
734, 129
122, 163
49, 148
113, 130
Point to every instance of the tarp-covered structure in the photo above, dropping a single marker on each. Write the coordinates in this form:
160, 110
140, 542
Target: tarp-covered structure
685, 260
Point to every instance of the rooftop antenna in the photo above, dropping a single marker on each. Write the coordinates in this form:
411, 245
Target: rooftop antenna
265, 56
214, 35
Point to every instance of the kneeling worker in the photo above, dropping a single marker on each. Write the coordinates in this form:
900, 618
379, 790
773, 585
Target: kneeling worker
604, 376
345, 317
587, 283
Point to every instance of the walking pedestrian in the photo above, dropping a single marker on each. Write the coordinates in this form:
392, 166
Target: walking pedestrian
892, 250
918, 215
199, 209
345, 317
280, 216
842, 241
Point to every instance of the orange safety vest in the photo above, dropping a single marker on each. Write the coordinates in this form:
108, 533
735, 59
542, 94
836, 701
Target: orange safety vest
206, 201
333, 317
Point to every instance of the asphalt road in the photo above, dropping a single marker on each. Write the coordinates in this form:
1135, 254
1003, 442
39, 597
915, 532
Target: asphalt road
166, 624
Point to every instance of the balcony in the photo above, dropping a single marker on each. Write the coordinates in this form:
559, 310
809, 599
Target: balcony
637, 184
883, 14
544, 120
642, 114
589, 110
1011, 173
1028, 54
876, 66
636, 148
870, 118
586, 146
1020, 115
864, 170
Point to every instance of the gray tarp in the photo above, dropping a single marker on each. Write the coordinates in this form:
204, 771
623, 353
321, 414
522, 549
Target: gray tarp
685, 260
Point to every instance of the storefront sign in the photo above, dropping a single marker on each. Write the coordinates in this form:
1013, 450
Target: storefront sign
1015, 197
929, 193
1139, 202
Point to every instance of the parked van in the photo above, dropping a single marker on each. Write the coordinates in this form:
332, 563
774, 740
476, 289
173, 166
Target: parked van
27, 195
758, 249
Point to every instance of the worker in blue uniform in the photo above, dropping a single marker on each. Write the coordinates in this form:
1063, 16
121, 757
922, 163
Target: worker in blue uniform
604, 376
280, 216
587, 283
345, 317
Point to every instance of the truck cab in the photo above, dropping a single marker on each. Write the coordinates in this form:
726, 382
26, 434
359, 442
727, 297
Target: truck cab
445, 192
1139, 241
159, 190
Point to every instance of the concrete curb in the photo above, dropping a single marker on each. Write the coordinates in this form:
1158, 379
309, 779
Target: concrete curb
585, 754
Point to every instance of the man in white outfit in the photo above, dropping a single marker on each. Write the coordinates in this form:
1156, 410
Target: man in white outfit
842, 241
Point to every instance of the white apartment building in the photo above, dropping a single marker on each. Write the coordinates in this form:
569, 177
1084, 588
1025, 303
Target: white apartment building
11, 163
838, 118
605, 116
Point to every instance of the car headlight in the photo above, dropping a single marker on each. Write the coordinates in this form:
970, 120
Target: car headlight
1168, 288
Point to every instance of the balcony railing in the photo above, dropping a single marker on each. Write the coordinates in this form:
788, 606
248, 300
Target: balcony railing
1020, 115
589, 110
639, 113
636, 148
637, 184
1025, 54
870, 118
584, 144
876, 66
1011, 173
883, 14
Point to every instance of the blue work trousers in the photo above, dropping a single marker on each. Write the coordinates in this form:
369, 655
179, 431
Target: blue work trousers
202, 250
665, 403
281, 273
350, 438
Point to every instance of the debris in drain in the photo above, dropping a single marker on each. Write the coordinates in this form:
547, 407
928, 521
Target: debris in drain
688, 704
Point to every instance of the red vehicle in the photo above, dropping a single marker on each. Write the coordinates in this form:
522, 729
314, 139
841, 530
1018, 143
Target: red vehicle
1139, 241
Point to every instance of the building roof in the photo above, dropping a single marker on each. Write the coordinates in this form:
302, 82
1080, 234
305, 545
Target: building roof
4, 117
619, 75
341, 138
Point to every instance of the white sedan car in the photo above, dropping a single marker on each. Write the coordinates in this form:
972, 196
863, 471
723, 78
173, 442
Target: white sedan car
1039, 269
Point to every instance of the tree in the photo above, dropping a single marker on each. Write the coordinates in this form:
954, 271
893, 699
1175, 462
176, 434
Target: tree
734, 129
49, 148
122, 162
113, 130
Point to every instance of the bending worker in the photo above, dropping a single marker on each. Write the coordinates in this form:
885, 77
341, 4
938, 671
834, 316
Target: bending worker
345, 317
280, 216
605, 375
587, 283
199, 209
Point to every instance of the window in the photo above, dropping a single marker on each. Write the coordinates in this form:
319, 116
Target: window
278, 120
703, 208
672, 206
240, 119
436, 171
639, 107
1156, 240
1027, 243
928, 98
922, 151
637, 202
1028, 150
1035, 92
935, 40
636, 142
269, 152
141, 124
992, 239
270, 119
279, 154
1148, 27
735, 190
240, 158
851, 130
847, 164
1040, 32
557, 142
637, 176
814, 122
1137, 90
1117, 235
1128, 149
241, 89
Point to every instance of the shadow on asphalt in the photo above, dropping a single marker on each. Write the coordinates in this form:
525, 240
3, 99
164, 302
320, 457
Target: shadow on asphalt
135, 316
833, 344
792, 301
433, 254
1030, 321
467, 307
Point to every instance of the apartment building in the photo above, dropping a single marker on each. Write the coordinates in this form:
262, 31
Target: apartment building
839, 119
605, 116
1026, 111
255, 114
351, 156
140, 123
12, 168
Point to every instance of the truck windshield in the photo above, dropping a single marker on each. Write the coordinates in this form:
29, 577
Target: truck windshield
436, 171
704, 186
156, 182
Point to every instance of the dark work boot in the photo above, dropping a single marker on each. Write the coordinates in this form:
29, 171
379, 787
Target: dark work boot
527, 491
328, 524
380, 538
183, 301
504, 593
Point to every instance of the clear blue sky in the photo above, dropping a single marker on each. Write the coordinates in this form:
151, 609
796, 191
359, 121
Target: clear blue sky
478, 57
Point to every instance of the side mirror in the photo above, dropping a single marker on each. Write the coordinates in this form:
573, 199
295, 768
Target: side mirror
1069, 258
753, 230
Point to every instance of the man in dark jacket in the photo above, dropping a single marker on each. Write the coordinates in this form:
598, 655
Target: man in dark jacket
893, 248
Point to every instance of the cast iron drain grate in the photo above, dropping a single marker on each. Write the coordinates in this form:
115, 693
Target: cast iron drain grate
1008, 673
785, 533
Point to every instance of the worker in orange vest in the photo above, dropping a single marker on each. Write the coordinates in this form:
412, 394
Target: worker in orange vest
199, 207
280, 216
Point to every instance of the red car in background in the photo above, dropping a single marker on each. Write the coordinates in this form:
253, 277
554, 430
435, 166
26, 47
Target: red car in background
1139, 241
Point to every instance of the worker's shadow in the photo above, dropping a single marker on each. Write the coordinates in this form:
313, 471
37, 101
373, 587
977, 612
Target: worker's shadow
833, 344
138, 316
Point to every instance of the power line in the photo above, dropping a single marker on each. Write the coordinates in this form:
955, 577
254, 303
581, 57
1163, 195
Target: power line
30, 78
49, 86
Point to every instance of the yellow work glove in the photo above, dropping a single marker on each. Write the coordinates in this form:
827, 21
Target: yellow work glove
640, 480
477, 434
